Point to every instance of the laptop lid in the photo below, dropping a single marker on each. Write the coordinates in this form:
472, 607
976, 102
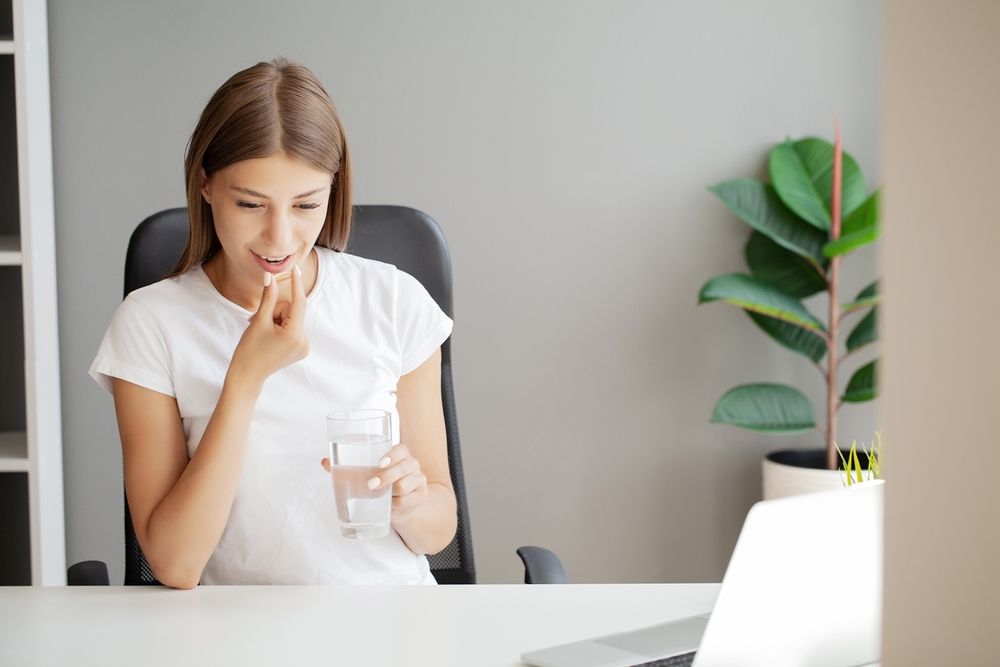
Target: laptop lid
804, 584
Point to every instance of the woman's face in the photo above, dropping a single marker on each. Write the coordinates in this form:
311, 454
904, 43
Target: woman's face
268, 213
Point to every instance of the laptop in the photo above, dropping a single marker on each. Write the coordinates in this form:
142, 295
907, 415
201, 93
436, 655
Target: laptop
803, 588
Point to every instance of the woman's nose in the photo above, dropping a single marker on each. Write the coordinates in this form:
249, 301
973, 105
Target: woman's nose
278, 231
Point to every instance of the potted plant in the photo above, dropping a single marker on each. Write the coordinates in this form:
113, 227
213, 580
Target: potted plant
814, 211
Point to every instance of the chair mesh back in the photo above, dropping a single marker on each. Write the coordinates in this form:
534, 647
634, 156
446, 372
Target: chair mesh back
137, 570
405, 237
454, 564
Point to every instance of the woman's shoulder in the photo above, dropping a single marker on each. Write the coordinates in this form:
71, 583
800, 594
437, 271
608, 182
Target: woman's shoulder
166, 288
355, 262
355, 267
168, 295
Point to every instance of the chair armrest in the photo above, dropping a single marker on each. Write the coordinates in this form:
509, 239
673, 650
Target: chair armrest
541, 566
88, 573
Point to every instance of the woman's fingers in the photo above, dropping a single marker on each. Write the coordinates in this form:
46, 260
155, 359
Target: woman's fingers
273, 340
394, 455
281, 312
390, 466
297, 310
265, 311
403, 476
408, 484
411, 499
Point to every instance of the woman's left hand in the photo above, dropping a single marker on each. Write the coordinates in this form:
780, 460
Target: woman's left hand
401, 471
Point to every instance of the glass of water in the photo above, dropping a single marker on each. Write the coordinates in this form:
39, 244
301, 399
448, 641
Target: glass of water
358, 440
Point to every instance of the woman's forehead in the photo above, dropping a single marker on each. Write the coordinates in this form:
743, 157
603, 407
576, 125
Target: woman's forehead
278, 175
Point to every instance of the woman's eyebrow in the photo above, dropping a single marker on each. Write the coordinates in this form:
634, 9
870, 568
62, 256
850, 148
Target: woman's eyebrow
254, 193
310, 193
248, 191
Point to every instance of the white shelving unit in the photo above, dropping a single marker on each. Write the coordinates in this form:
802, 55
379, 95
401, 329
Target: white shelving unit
14, 452
10, 251
30, 448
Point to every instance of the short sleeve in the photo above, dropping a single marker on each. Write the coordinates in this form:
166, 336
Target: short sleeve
421, 325
133, 349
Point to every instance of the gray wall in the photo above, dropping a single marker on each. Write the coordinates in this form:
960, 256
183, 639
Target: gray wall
565, 148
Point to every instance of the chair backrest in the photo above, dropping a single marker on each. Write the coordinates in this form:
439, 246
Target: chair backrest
405, 237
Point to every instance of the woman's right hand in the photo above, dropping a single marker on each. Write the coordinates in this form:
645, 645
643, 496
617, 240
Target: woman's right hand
276, 336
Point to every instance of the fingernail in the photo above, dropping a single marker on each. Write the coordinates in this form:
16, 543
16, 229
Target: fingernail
298, 271
267, 279
373, 483
384, 463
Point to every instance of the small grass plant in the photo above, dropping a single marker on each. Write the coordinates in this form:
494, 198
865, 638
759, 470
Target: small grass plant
851, 465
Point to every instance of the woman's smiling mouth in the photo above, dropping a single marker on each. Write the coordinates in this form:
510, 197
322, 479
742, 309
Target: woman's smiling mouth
272, 263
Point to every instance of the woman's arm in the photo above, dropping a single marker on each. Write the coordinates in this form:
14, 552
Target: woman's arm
179, 507
424, 511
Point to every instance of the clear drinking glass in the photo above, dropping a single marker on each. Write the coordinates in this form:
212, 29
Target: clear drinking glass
358, 440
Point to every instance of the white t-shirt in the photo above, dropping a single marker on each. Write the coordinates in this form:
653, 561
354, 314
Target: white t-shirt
368, 324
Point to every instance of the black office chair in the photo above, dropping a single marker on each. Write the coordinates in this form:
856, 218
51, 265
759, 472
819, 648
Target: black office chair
413, 242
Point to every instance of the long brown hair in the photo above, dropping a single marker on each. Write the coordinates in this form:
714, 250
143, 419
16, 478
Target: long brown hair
264, 109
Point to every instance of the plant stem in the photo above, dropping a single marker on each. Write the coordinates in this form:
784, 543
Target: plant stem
834, 324
832, 365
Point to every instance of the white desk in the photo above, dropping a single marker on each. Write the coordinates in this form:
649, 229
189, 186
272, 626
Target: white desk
471, 626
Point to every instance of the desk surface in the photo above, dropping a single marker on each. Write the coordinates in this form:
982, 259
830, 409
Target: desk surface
329, 625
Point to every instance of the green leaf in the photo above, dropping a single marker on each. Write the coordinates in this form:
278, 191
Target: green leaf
863, 385
802, 174
864, 216
795, 186
843, 461
868, 292
859, 229
750, 294
771, 408
850, 242
866, 297
791, 336
758, 205
866, 331
772, 264
857, 462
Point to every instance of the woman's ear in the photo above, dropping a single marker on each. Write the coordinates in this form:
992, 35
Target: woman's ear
204, 187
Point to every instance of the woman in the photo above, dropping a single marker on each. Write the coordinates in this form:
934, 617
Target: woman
222, 377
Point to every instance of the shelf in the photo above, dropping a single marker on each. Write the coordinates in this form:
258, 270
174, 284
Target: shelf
32, 526
13, 451
10, 251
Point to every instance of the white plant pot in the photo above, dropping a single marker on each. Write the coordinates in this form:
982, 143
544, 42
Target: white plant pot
780, 478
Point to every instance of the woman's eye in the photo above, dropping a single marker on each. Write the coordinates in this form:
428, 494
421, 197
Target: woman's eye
308, 207
248, 204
